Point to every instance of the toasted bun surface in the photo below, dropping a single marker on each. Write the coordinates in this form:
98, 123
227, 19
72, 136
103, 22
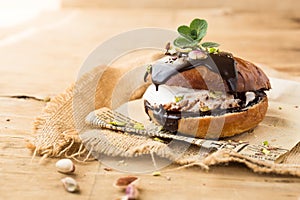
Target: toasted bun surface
250, 78
230, 124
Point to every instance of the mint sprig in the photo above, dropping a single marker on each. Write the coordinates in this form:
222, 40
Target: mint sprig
191, 36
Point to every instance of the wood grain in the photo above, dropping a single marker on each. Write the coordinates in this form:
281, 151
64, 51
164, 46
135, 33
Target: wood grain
42, 57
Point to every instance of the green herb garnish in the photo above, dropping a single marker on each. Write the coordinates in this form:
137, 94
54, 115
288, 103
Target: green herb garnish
117, 123
191, 36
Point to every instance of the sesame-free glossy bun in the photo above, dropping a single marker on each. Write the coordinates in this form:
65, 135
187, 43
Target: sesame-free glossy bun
250, 78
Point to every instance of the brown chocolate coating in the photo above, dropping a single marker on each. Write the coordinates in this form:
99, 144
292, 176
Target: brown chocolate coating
250, 78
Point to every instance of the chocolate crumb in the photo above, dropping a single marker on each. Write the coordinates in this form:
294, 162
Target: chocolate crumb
108, 169
8, 120
168, 46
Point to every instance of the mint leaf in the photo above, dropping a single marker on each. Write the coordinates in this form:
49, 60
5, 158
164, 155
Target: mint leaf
190, 36
183, 42
200, 26
185, 32
209, 44
194, 34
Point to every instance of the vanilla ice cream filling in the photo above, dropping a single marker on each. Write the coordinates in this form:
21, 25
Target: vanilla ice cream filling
174, 98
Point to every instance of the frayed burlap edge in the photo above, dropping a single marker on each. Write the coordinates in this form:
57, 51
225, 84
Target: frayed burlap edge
56, 130
112, 143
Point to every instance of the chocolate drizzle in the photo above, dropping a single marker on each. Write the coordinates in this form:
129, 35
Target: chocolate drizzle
227, 68
163, 70
221, 63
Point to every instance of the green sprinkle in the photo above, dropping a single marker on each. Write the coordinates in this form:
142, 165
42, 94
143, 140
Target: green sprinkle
215, 94
160, 128
266, 143
157, 173
178, 98
213, 50
204, 108
116, 123
265, 151
158, 140
149, 68
139, 126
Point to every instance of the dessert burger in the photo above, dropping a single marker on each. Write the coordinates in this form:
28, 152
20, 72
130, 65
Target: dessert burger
200, 91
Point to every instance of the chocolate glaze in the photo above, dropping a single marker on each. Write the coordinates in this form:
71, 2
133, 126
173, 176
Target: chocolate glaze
163, 70
222, 63
226, 67
169, 119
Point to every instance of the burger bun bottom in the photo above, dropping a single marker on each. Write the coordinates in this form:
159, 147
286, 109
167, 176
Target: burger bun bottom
227, 125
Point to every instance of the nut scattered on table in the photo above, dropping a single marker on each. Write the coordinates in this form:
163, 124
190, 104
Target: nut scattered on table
70, 185
129, 184
65, 166
132, 192
156, 173
123, 182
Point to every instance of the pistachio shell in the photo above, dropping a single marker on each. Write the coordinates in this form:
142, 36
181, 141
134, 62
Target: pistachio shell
70, 184
132, 192
65, 166
197, 54
123, 182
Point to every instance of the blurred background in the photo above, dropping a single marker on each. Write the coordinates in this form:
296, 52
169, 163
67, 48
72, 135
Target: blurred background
43, 43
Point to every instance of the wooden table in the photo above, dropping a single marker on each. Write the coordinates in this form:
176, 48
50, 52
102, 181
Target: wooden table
40, 58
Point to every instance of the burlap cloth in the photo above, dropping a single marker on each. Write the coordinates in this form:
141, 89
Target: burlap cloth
61, 132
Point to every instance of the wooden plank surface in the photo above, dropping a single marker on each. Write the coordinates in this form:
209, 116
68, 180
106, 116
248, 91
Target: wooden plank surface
42, 57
